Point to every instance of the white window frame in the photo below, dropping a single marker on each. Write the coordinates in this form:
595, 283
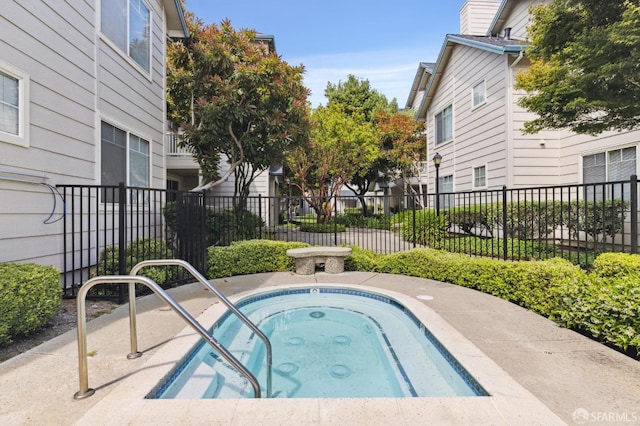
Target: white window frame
22, 137
589, 191
441, 120
128, 150
446, 194
482, 101
126, 53
475, 176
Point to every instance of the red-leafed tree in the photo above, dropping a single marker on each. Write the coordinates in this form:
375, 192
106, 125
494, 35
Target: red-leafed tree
234, 98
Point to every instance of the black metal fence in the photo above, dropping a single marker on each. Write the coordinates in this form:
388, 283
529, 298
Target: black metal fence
107, 229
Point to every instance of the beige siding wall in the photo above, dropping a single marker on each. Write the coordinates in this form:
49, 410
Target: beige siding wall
519, 18
259, 186
554, 157
480, 132
476, 16
575, 146
535, 158
417, 100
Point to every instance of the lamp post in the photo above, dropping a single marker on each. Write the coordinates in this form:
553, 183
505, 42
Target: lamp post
437, 159
287, 181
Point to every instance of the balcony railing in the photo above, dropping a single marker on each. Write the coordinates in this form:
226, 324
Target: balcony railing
172, 147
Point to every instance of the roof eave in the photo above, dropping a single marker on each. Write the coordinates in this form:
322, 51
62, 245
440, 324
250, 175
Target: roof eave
497, 18
176, 23
422, 73
443, 57
269, 39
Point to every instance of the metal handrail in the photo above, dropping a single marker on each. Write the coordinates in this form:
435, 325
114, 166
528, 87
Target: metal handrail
198, 276
85, 391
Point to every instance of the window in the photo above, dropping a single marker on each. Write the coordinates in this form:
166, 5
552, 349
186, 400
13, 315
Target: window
480, 177
127, 24
478, 93
610, 166
125, 158
14, 87
444, 125
445, 188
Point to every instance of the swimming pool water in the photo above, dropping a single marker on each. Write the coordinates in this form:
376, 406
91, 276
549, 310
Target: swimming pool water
327, 343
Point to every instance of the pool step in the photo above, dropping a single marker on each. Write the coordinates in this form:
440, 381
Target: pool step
228, 383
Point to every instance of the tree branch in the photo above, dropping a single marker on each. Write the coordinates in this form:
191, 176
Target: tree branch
232, 167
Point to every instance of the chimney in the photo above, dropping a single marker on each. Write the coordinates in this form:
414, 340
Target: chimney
507, 33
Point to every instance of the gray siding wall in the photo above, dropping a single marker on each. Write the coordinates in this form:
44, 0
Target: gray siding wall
75, 80
132, 99
55, 47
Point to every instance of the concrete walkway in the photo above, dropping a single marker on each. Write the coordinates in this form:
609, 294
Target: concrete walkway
575, 379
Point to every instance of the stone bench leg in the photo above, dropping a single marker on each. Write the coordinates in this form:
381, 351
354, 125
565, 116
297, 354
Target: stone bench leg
305, 265
334, 265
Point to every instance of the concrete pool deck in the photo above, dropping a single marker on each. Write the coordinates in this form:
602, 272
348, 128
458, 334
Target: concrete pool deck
544, 374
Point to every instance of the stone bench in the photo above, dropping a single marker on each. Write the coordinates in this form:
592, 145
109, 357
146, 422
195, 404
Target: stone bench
307, 258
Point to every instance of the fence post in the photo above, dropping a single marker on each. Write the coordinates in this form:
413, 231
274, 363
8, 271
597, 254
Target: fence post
202, 255
260, 216
122, 238
504, 222
335, 219
634, 214
415, 237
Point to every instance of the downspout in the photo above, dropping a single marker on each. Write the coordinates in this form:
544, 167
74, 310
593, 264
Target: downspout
509, 122
518, 59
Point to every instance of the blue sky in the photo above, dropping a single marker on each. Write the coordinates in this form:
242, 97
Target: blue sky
379, 40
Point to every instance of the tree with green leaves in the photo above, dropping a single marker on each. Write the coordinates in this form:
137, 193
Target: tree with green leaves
585, 66
233, 97
401, 143
357, 96
340, 146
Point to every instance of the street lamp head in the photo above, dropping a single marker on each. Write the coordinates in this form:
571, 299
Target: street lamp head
437, 159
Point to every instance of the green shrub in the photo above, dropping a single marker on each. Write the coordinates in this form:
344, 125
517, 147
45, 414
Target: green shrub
30, 295
611, 265
606, 308
528, 220
360, 260
325, 228
226, 226
472, 219
494, 247
355, 219
222, 226
136, 252
604, 304
599, 219
429, 227
526, 283
250, 257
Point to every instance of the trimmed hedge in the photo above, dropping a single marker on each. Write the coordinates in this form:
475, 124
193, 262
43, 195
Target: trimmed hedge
604, 303
30, 295
251, 257
324, 228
